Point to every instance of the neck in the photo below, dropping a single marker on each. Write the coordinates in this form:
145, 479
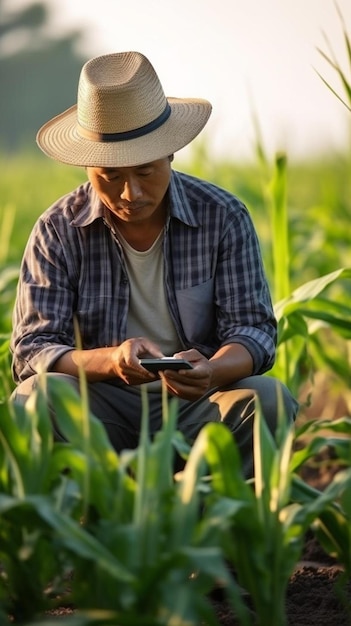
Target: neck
141, 235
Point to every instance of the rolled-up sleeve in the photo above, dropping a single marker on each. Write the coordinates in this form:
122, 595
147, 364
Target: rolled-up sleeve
244, 307
42, 319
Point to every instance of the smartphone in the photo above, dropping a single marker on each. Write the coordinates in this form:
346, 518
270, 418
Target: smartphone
165, 363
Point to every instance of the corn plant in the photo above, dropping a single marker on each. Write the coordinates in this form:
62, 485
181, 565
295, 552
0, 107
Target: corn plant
332, 527
31, 569
333, 62
150, 524
40, 504
133, 537
306, 314
303, 319
303, 314
264, 535
130, 534
8, 282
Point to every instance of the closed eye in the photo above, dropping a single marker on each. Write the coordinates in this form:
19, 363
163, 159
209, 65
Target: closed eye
145, 171
109, 179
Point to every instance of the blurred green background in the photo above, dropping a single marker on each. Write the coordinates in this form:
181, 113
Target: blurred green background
317, 196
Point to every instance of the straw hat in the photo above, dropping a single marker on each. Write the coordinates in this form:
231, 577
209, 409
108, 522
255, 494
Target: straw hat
122, 117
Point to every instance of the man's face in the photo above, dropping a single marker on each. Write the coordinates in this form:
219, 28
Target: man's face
133, 194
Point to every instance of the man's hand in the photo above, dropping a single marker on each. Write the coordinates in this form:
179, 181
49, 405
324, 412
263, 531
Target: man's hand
189, 384
126, 360
230, 363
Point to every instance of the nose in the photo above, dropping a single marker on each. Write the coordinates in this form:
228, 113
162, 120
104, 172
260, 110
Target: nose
131, 190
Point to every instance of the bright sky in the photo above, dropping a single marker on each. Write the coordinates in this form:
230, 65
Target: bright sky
237, 54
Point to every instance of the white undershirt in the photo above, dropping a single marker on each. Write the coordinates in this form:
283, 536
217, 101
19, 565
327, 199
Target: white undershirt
148, 314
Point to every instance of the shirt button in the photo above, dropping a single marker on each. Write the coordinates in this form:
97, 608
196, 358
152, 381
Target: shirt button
124, 281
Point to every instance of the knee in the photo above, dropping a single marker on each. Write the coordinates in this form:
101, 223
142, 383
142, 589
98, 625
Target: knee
276, 400
27, 386
24, 389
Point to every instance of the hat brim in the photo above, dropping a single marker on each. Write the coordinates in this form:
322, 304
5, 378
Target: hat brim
59, 138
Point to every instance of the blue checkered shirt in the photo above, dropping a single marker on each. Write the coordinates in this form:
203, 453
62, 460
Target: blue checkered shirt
73, 265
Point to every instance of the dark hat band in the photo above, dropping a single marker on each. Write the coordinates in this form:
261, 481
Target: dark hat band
129, 134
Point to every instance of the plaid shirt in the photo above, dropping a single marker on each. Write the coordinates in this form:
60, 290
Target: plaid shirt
73, 266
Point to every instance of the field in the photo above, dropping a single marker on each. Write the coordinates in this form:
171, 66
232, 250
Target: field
301, 212
302, 215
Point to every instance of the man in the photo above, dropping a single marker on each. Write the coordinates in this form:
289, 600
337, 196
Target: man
150, 262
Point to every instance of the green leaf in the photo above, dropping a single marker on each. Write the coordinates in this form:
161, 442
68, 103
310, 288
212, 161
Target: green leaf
309, 291
80, 543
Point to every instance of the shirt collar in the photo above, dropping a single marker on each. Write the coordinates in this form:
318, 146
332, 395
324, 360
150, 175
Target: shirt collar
180, 207
89, 205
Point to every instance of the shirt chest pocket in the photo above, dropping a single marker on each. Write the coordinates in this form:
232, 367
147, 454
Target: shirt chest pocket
196, 310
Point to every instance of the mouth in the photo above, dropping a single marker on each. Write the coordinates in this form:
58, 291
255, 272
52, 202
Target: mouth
131, 208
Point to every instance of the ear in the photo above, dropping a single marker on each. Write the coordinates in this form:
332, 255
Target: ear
171, 157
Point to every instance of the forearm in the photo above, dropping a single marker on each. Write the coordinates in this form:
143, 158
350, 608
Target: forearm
230, 363
98, 363
120, 361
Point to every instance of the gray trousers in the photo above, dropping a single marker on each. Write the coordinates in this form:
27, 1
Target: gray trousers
119, 409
